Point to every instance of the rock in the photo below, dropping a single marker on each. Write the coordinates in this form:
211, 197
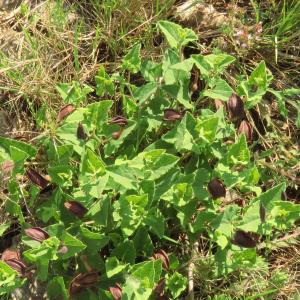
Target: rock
9, 5
199, 15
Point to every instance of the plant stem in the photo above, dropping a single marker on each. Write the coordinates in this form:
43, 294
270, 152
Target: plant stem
191, 268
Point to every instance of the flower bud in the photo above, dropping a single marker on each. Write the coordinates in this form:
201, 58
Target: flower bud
116, 135
163, 256
262, 213
159, 289
243, 239
6, 167
246, 128
82, 281
17, 265
240, 202
36, 178
75, 289
37, 234
119, 120
216, 188
171, 115
80, 132
87, 279
218, 104
10, 254
116, 292
63, 250
65, 111
235, 106
76, 208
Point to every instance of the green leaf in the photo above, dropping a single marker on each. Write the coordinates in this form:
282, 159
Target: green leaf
129, 212
219, 89
74, 92
13, 204
161, 166
132, 60
179, 195
148, 272
202, 220
204, 65
156, 221
182, 135
73, 244
113, 266
93, 240
178, 72
238, 153
96, 115
171, 57
61, 154
150, 70
224, 222
212, 64
99, 212
18, 155
143, 243
180, 92
7, 143
67, 132
61, 175
119, 177
176, 35
56, 288
176, 284
9, 280
271, 195
49, 209
208, 129
284, 214
259, 76
42, 255
125, 252
256, 86
143, 93
114, 145
251, 220
91, 164
3, 228
133, 289
104, 84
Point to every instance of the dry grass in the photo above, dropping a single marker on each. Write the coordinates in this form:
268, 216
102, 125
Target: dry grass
55, 43
287, 260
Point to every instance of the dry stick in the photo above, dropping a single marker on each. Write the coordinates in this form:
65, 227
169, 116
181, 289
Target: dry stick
17, 10
85, 262
282, 239
282, 172
191, 268
136, 28
22, 64
260, 135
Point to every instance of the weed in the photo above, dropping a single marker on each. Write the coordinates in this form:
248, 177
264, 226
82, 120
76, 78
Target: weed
140, 186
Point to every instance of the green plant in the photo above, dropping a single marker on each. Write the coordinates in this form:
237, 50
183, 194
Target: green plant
125, 185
